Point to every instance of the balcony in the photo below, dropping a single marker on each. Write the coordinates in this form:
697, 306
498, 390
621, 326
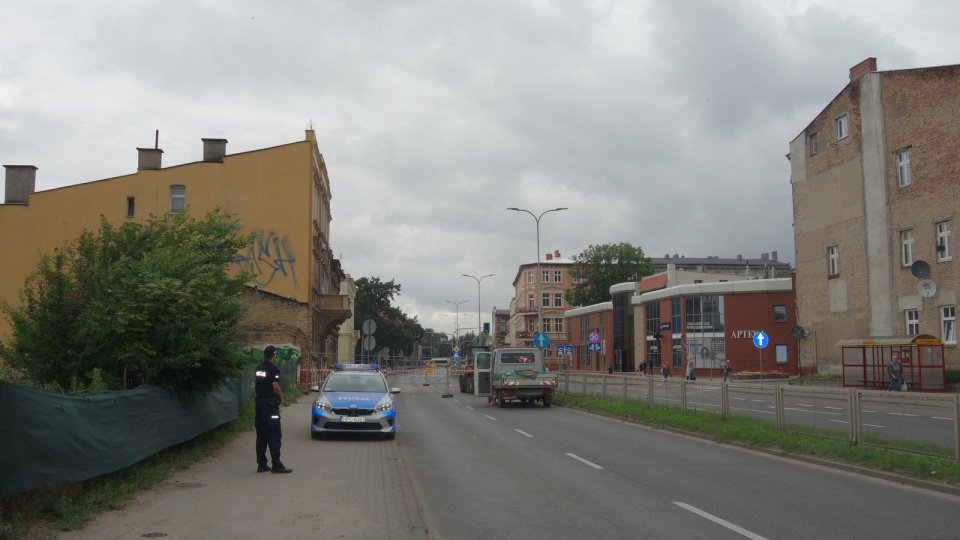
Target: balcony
331, 310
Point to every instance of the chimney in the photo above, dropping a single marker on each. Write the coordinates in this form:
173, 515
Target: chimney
21, 182
868, 65
214, 150
148, 158
556, 254
773, 256
549, 256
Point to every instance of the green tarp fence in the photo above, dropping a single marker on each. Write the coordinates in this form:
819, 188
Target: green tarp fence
47, 439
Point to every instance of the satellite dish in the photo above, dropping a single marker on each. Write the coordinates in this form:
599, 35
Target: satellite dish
927, 288
798, 332
920, 269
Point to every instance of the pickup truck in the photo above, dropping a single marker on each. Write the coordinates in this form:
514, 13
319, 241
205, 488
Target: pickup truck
519, 375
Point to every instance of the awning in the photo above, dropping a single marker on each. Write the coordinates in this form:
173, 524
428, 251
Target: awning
890, 341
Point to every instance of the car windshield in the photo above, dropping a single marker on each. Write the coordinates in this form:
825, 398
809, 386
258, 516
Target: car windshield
344, 382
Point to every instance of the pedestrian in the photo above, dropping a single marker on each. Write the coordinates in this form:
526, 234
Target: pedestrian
665, 370
610, 369
642, 370
691, 371
727, 371
895, 371
267, 412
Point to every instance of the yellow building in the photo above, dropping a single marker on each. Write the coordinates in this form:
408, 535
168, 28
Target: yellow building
281, 194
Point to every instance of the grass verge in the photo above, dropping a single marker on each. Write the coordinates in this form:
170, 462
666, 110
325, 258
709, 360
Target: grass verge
763, 434
41, 513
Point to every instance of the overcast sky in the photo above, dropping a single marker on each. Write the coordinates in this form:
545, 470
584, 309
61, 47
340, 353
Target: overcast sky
660, 123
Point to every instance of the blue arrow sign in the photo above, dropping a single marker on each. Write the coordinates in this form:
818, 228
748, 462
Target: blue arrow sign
593, 347
760, 340
541, 340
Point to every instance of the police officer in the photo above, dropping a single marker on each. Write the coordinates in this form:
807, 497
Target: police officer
267, 419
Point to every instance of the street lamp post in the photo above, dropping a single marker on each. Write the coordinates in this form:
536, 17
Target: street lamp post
458, 317
538, 277
479, 326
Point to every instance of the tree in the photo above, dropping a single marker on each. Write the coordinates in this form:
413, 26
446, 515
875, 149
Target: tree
143, 303
600, 267
395, 329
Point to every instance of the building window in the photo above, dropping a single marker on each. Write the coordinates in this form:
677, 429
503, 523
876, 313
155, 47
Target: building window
178, 198
833, 261
575, 279
903, 168
545, 299
545, 326
558, 299
531, 325
696, 281
913, 322
530, 276
948, 323
545, 276
906, 247
558, 276
678, 352
130, 206
779, 313
530, 301
841, 126
781, 354
812, 144
943, 241
558, 326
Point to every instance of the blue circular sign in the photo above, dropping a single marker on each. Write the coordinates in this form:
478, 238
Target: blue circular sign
760, 340
594, 337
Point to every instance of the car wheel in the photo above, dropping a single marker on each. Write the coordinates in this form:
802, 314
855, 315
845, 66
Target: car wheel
547, 400
500, 401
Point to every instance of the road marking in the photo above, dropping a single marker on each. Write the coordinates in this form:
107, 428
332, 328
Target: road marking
815, 412
840, 421
523, 433
752, 410
581, 460
490, 417
469, 407
719, 521
872, 425
835, 408
940, 418
869, 411
901, 414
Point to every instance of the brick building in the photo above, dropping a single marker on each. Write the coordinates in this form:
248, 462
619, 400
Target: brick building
281, 195
874, 180
539, 295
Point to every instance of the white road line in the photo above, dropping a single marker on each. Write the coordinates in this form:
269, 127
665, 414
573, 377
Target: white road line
581, 460
751, 410
815, 412
840, 421
834, 408
940, 418
872, 425
902, 414
490, 417
469, 407
523, 433
869, 411
719, 521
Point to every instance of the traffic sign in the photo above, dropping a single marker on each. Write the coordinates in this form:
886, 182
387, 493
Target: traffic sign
564, 350
594, 337
760, 340
593, 347
541, 340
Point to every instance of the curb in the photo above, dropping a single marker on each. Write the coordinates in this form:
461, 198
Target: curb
947, 489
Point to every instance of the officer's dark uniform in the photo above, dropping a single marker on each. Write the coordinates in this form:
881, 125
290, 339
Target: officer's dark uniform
267, 419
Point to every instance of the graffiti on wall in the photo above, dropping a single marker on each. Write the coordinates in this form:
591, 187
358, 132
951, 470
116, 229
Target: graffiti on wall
268, 257
285, 353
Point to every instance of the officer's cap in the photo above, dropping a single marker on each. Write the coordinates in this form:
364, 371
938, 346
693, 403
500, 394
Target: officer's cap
269, 351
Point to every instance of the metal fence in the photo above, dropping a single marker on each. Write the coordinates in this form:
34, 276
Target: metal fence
289, 375
915, 422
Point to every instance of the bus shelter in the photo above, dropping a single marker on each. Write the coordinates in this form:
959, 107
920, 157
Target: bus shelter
865, 362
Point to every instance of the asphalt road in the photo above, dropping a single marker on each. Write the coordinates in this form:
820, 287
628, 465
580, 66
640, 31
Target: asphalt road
461, 469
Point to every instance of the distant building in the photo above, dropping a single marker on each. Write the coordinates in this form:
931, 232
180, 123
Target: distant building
282, 196
534, 295
765, 266
874, 182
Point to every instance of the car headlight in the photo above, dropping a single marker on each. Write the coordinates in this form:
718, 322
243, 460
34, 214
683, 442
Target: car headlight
322, 406
385, 406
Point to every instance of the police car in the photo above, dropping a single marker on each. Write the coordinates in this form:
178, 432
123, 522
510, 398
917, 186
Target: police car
355, 398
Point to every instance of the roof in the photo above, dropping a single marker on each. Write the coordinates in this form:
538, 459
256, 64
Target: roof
656, 281
890, 341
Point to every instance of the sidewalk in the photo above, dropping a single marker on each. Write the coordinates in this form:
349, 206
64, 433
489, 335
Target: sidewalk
340, 488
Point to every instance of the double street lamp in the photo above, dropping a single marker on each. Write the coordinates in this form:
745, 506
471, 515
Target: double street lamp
457, 329
479, 326
538, 277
